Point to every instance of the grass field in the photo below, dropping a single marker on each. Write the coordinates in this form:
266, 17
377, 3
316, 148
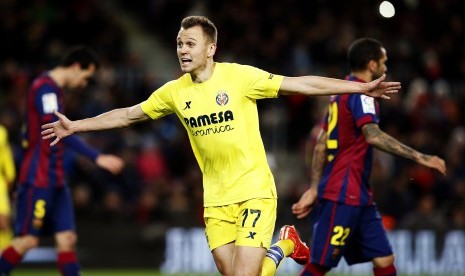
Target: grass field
134, 272
96, 272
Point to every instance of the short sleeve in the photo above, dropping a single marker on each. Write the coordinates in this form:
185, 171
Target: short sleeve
364, 109
262, 84
46, 100
160, 102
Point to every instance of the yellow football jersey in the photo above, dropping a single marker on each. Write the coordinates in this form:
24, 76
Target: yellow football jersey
221, 119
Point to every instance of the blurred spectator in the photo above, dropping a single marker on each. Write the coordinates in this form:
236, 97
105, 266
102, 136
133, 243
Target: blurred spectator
399, 198
458, 217
426, 216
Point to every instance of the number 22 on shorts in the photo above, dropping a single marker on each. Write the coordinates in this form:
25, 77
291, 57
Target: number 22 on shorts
340, 235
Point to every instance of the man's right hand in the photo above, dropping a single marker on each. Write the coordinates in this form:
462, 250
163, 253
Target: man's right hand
305, 204
59, 129
434, 162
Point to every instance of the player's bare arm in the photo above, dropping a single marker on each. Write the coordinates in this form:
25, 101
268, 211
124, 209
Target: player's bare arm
305, 204
381, 140
321, 86
110, 162
117, 118
319, 159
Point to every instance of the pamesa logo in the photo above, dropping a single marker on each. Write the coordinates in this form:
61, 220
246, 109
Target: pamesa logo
212, 120
209, 119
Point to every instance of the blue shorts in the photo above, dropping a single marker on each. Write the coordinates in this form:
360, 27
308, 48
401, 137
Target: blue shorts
355, 232
43, 211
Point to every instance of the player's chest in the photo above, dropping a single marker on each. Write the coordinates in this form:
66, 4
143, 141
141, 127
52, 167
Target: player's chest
200, 101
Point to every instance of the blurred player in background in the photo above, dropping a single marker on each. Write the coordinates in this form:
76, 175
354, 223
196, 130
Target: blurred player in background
348, 222
44, 204
216, 103
7, 176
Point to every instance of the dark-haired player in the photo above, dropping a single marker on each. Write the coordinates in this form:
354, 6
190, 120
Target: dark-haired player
348, 222
44, 204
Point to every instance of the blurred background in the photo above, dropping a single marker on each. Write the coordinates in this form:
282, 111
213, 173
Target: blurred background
126, 221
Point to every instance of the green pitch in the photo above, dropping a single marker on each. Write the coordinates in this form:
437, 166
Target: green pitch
97, 272
133, 272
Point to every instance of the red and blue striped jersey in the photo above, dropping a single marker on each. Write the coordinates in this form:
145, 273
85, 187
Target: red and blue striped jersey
346, 176
42, 165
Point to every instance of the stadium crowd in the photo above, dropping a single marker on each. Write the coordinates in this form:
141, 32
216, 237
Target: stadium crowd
161, 182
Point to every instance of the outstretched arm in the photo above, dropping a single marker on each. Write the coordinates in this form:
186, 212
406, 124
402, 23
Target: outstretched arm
321, 86
381, 140
116, 118
306, 202
110, 162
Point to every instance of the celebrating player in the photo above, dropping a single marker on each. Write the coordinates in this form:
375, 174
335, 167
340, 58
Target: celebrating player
216, 103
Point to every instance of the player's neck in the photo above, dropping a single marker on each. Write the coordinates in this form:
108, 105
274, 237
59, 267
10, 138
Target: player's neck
365, 76
58, 75
204, 73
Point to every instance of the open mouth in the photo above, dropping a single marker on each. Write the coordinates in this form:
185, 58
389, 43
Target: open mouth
185, 61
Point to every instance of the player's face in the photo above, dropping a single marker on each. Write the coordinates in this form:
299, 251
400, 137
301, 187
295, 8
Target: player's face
381, 67
82, 76
193, 49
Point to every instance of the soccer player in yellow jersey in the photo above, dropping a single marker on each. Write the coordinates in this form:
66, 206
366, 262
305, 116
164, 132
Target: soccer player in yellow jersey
216, 103
7, 176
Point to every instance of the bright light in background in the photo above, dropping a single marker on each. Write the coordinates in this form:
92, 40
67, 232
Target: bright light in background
386, 9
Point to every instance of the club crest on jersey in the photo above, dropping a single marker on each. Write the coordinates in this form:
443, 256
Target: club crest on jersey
222, 98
